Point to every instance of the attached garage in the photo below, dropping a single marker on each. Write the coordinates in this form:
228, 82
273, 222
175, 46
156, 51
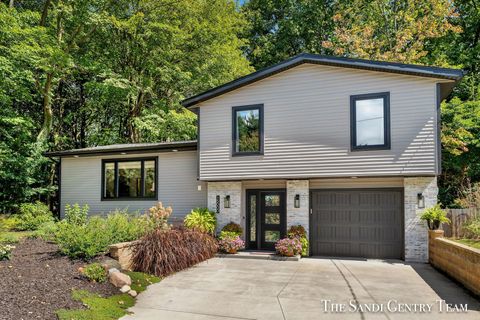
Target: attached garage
365, 223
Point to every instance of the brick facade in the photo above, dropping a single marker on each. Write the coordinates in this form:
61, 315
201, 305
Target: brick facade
298, 216
416, 236
222, 189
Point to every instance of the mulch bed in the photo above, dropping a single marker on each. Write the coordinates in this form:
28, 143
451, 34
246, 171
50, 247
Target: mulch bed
37, 281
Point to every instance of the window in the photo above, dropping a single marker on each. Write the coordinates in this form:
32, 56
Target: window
247, 136
370, 121
129, 178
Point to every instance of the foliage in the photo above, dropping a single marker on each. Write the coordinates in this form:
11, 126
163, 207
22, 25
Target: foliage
288, 247
162, 252
46, 231
471, 228
298, 231
159, 215
469, 242
7, 222
95, 272
5, 251
230, 242
434, 217
76, 215
111, 308
201, 219
233, 227
97, 233
140, 280
32, 215
9, 237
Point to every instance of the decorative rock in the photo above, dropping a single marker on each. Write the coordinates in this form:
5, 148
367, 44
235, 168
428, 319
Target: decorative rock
119, 279
81, 270
125, 289
133, 293
109, 263
112, 270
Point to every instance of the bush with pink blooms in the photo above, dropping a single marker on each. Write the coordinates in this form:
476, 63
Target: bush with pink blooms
289, 247
230, 242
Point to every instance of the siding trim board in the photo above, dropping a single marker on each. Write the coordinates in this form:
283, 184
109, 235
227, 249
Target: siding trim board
386, 121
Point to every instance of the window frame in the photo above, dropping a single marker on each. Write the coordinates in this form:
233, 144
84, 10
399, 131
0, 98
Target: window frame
142, 173
386, 121
258, 107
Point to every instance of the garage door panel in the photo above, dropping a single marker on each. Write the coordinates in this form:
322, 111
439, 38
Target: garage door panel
363, 223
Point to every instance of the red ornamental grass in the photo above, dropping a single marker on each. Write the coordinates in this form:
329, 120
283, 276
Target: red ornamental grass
163, 252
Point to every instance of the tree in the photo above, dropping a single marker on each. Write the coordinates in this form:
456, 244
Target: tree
387, 30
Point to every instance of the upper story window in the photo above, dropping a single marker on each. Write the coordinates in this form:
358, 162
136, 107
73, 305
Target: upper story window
370, 121
129, 179
247, 126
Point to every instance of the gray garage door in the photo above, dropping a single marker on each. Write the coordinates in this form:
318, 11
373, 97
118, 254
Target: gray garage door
357, 223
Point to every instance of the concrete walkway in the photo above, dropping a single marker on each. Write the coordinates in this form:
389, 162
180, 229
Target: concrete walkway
310, 289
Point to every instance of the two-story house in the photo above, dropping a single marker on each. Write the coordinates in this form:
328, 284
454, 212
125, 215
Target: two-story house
348, 148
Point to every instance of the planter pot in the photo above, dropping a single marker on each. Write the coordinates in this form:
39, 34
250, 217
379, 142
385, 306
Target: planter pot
232, 251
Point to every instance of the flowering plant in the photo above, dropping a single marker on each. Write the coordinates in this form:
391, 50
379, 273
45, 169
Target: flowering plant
159, 215
5, 251
230, 242
289, 247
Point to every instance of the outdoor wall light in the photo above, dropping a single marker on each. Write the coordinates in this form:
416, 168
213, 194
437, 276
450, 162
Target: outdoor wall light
296, 202
226, 202
420, 201
217, 204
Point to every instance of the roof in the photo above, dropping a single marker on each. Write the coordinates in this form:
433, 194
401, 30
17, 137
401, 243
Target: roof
392, 67
126, 148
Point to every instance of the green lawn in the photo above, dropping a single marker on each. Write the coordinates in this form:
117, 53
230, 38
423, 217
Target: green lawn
469, 242
111, 308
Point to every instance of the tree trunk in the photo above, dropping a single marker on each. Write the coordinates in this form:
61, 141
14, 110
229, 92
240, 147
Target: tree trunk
47, 110
12, 2
43, 19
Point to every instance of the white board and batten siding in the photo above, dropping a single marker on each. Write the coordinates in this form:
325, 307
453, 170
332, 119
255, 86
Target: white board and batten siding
177, 184
307, 126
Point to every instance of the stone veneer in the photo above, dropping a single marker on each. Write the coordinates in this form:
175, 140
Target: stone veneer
226, 215
296, 216
416, 235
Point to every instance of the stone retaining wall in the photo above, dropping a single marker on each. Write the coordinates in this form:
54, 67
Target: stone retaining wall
459, 261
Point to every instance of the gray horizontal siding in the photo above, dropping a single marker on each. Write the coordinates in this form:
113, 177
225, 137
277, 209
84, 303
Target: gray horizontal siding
177, 184
307, 126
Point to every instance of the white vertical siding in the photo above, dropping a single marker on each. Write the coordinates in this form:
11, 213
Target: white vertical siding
307, 126
177, 184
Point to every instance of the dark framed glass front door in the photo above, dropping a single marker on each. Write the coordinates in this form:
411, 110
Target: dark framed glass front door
266, 218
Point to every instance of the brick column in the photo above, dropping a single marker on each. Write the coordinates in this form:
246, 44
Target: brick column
222, 189
416, 235
298, 216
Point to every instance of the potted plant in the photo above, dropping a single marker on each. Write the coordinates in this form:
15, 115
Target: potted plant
289, 247
435, 216
230, 242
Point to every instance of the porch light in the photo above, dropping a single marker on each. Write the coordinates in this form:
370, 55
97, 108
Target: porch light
420, 201
217, 208
296, 202
226, 202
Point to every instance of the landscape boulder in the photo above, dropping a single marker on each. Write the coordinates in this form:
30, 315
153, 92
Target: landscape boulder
119, 279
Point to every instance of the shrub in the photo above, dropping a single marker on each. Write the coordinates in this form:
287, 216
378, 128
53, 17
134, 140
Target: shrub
201, 219
471, 228
233, 227
162, 252
46, 231
5, 251
288, 247
32, 215
93, 237
299, 232
95, 272
75, 214
159, 215
7, 223
434, 217
230, 242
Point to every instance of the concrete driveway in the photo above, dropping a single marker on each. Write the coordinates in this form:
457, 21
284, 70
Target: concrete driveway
226, 288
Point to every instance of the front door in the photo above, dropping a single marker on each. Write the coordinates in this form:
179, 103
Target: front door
266, 217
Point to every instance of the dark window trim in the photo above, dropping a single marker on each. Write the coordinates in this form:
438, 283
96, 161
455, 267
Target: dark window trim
386, 123
234, 129
116, 161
